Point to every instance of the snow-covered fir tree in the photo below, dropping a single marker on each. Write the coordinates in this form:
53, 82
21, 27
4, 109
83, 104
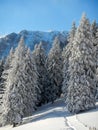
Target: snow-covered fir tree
81, 84
40, 57
6, 65
66, 54
30, 76
95, 38
20, 85
1, 67
15, 88
94, 30
72, 33
55, 65
9, 59
2, 62
67, 49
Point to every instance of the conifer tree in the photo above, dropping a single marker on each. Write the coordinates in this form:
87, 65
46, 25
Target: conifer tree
94, 30
40, 57
1, 67
66, 54
2, 62
5, 67
9, 59
81, 84
21, 84
96, 48
55, 65
13, 105
30, 76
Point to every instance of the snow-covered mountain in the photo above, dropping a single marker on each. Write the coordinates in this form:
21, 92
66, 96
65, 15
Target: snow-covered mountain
31, 38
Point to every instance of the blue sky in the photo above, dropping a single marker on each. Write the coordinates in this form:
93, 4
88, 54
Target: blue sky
44, 15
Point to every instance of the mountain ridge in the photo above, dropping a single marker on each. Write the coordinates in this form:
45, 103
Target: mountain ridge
30, 38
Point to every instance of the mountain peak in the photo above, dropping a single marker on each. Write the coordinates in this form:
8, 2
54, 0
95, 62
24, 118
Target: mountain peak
31, 38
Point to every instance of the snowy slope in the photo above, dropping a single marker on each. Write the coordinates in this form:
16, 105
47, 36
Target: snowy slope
89, 119
31, 38
54, 117
86, 120
48, 117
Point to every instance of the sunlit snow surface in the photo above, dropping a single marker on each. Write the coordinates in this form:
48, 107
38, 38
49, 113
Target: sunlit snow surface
54, 117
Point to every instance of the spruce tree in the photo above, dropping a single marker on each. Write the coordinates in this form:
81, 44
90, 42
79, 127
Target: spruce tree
93, 31
55, 65
5, 67
9, 59
66, 55
2, 62
81, 84
30, 76
13, 105
96, 48
40, 57
21, 84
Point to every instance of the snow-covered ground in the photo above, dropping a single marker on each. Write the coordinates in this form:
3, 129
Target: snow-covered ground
54, 117
89, 119
86, 120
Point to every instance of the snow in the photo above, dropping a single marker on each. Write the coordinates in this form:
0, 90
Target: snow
31, 38
42, 36
90, 118
1, 36
48, 117
85, 120
55, 117
72, 121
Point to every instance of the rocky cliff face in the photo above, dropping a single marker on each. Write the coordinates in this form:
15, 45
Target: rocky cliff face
31, 38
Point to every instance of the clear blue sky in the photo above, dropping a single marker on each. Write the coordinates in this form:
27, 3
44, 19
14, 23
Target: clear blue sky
43, 15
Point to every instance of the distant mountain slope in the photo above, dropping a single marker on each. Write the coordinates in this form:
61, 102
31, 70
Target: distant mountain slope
31, 38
